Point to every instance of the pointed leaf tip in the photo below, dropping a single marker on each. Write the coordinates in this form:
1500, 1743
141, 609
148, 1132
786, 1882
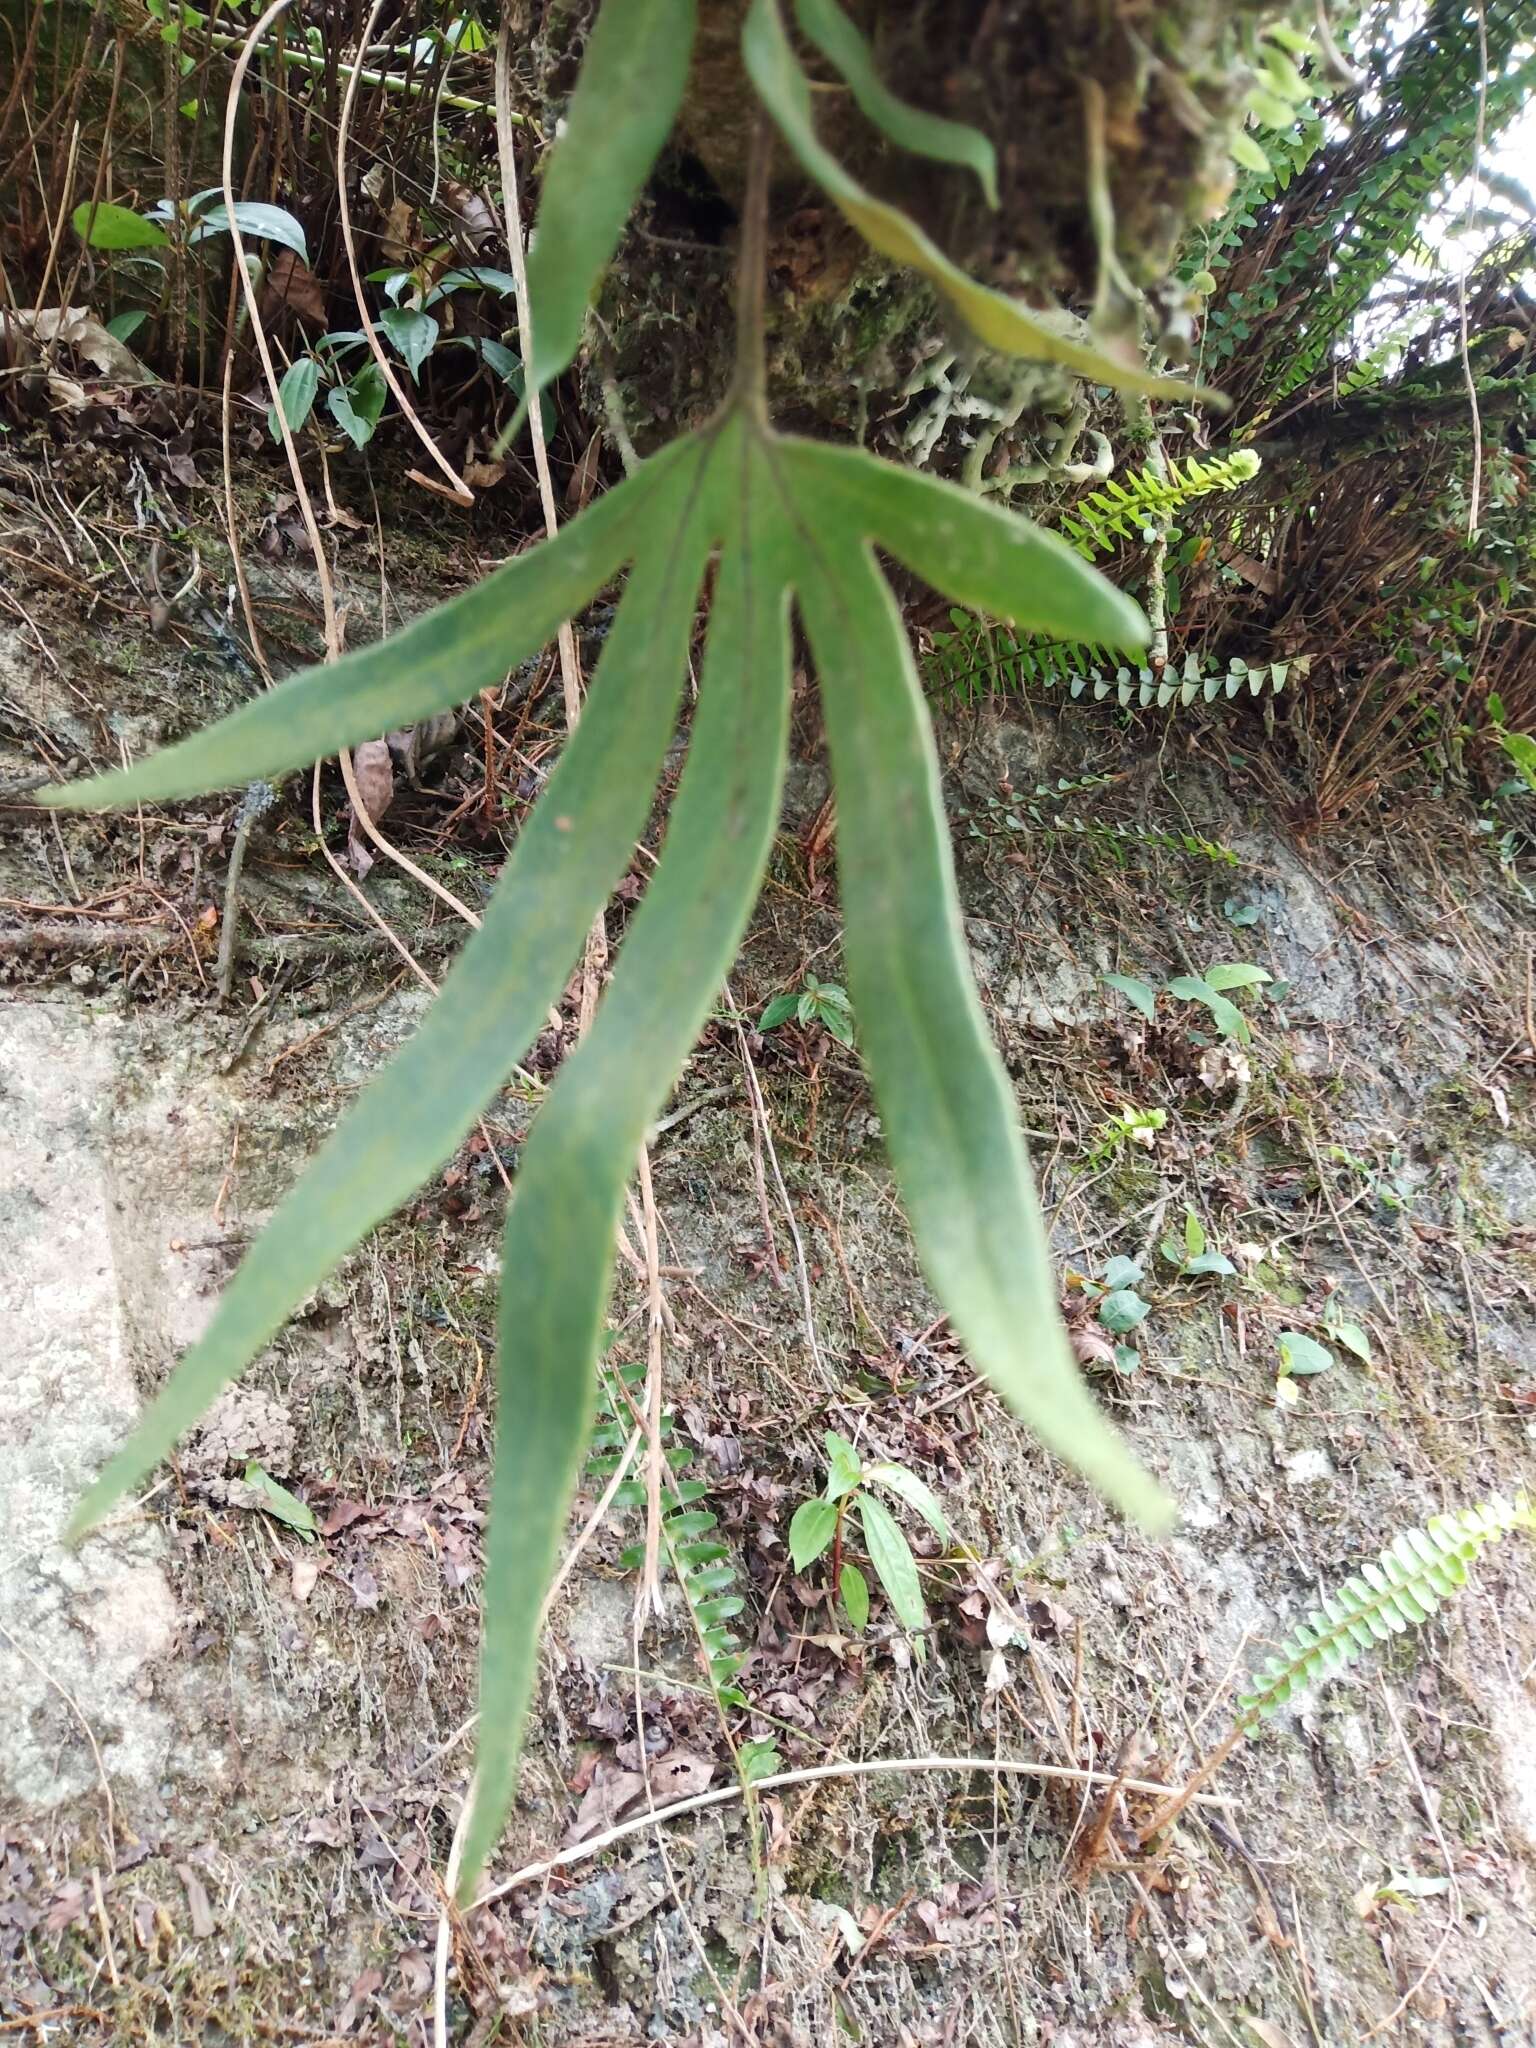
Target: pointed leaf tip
930, 135
950, 1117
626, 99
434, 663
1002, 323
976, 553
570, 1188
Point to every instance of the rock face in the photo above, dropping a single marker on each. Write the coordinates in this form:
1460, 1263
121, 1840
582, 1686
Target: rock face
87, 1623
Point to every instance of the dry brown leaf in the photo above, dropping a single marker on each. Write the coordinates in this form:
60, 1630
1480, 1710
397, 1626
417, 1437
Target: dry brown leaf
578, 492
439, 489
1089, 1346
290, 286
471, 216
373, 767
67, 1907
679, 1775
395, 236
1266, 2032
197, 1902
306, 1572
606, 1799
74, 327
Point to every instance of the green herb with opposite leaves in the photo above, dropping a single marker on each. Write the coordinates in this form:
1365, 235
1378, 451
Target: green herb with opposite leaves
819, 1525
814, 1002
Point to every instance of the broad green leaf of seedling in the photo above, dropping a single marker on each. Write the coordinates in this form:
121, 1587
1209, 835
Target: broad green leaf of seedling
854, 1588
280, 1503
116, 227
844, 1467
811, 1529
1139, 994
1301, 1356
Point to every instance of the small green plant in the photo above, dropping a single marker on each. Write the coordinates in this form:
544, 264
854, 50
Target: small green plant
1135, 509
1400, 1590
997, 817
141, 244
1520, 747
818, 1525
1340, 1329
1389, 1185
198, 219
1210, 988
814, 1002
1130, 1126
975, 658
1192, 1255
700, 1562
1118, 1306
1302, 1356
356, 399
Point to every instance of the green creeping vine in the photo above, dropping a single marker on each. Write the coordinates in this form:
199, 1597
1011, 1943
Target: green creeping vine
1401, 1590
785, 521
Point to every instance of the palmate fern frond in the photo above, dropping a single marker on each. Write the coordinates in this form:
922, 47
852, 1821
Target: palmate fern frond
1401, 1590
1124, 511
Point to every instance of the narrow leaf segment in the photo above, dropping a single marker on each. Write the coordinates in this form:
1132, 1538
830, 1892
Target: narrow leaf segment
1002, 323
582, 1151
948, 1109
930, 135
627, 97
436, 662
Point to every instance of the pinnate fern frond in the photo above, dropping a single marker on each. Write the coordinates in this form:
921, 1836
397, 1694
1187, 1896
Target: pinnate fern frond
976, 659
1125, 510
1400, 1590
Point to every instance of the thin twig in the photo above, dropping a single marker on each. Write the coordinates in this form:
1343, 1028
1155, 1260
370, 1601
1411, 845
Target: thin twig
589, 1529
257, 799
669, 1874
649, 1595
595, 958
1008, 1767
105, 1925
90, 1735
1475, 494
447, 1913
1172, 1808
760, 1110
1427, 1805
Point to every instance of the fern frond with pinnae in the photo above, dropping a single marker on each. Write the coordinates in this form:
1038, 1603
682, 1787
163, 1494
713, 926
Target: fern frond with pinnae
1129, 510
1400, 1590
